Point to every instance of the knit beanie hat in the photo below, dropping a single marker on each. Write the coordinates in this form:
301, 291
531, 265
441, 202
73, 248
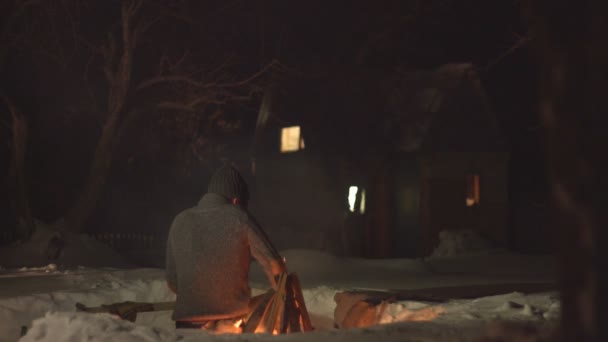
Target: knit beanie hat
228, 182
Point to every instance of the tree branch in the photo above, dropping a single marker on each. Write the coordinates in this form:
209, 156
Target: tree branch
189, 80
518, 44
193, 105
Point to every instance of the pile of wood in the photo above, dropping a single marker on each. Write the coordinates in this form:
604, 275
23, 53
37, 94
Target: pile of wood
281, 311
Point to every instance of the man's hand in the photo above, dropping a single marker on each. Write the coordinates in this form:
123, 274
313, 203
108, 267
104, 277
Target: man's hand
278, 267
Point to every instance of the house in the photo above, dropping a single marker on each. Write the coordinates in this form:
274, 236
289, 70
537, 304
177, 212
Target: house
376, 163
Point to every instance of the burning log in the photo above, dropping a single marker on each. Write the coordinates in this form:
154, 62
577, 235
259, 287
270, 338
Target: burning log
257, 310
281, 311
300, 304
274, 311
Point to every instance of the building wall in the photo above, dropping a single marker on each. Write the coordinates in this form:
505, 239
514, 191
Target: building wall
406, 234
443, 194
296, 201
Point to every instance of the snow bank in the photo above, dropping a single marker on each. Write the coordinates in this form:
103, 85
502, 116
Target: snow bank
79, 250
58, 327
462, 242
92, 288
497, 316
71, 326
55, 320
47, 296
316, 268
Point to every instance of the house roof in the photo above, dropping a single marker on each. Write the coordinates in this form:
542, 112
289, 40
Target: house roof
366, 111
444, 109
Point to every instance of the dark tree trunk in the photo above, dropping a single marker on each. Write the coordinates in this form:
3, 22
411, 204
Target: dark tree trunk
119, 79
95, 181
18, 185
571, 41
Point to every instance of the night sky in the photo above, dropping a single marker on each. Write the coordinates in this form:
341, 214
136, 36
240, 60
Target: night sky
51, 66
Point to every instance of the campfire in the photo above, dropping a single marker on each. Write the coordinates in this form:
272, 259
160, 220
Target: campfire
276, 312
281, 311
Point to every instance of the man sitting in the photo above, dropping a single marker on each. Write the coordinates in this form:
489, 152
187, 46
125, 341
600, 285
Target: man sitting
209, 252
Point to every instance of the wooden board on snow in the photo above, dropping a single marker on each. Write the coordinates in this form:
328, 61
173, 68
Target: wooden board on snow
442, 294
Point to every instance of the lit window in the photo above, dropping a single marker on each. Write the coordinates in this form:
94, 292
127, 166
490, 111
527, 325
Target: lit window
362, 203
472, 190
291, 139
352, 197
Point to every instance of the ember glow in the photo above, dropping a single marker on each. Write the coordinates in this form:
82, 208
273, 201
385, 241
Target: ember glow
402, 315
472, 188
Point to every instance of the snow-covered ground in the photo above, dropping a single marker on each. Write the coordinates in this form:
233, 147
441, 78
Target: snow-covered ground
41, 300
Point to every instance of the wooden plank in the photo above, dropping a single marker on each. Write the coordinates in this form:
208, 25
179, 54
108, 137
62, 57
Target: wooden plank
257, 311
441, 294
284, 308
291, 316
125, 310
84, 308
164, 306
299, 298
278, 304
142, 306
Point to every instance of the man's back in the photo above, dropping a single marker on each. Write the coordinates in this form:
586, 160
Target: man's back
208, 258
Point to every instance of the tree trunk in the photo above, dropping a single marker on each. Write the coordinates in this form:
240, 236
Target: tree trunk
18, 185
119, 79
379, 225
571, 41
94, 184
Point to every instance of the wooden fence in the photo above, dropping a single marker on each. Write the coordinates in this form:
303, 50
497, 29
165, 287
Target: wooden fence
118, 241
124, 242
144, 249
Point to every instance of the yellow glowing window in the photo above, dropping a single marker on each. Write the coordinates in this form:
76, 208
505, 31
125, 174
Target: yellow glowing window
291, 139
355, 194
362, 203
352, 197
472, 190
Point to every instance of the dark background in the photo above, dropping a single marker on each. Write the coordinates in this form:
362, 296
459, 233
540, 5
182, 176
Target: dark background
156, 172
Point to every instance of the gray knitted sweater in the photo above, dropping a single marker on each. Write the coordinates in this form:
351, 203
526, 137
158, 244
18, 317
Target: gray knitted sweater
209, 251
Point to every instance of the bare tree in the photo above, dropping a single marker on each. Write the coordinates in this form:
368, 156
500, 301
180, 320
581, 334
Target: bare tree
192, 92
180, 85
571, 44
118, 69
16, 178
12, 12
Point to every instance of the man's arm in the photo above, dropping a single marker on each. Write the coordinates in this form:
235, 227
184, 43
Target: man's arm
263, 251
